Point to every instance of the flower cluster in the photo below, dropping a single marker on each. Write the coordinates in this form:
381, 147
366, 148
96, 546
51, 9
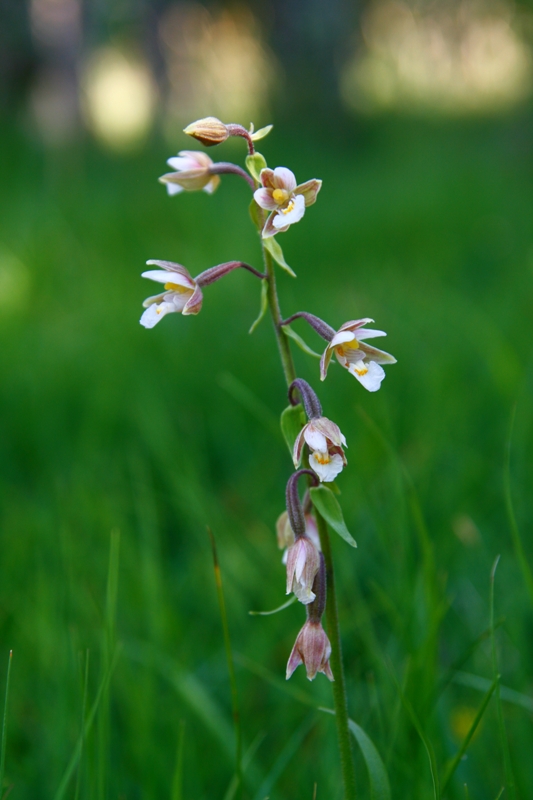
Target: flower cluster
316, 443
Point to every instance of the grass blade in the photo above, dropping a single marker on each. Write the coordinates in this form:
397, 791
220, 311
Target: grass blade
231, 668
527, 574
464, 746
379, 780
83, 712
4, 724
177, 780
504, 741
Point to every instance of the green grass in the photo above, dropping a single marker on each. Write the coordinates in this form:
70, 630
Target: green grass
107, 428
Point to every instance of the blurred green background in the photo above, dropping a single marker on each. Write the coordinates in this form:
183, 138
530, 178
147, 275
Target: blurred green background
120, 445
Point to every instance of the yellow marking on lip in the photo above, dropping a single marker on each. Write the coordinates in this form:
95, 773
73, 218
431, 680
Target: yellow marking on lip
288, 209
361, 372
280, 196
322, 458
175, 287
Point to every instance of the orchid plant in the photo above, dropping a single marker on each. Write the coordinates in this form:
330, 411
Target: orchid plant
314, 441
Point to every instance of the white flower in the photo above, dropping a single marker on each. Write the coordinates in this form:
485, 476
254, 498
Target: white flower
182, 294
360, 359
287, 201
325, 441
303, 562
192, 173
285, 533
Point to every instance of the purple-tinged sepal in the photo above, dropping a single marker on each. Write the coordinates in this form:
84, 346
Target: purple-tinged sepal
313, 649
360, 359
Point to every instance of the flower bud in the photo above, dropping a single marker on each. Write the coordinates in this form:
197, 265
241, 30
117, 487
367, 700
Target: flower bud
312, 648
209, 131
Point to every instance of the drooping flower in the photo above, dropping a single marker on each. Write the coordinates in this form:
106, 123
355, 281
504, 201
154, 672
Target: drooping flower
360, 359
192, 173
182, 293
303, 561
287, 201
325, 442
312, 648
285, 533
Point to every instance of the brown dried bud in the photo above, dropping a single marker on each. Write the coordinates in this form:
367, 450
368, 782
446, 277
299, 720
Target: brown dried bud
208, 131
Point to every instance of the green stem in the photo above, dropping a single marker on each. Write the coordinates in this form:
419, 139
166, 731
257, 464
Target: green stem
340, 700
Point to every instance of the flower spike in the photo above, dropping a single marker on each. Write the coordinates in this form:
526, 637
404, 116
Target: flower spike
360, 359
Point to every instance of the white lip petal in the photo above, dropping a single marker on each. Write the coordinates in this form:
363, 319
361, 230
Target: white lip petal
371, 380
326, 471
173, 188
154, 313
304, 594
282, 219
315, 439
180, 164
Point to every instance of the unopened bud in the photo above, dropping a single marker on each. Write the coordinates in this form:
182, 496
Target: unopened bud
208, 131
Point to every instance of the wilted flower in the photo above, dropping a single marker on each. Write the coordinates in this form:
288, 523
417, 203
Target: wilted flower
192, 173
303, 562
359, 358
182, 293
312, 648
325, 442
284, 198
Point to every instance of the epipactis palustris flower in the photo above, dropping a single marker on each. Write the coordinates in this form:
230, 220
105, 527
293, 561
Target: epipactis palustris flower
312, 648
303, 561
182, 294
360, 359
287, 201
285, 533
192, 173
325, 440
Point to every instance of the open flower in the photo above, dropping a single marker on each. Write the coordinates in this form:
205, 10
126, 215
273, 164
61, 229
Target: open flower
192, 173
360, 359
312, 648
182, 294
303, 562
287, 201
325, 442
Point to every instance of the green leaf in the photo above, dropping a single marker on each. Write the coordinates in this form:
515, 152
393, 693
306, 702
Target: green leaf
254, 165
256, 215
379, 781
261, 133
292, 422
328, 507
264, 305
277, 254
288, 331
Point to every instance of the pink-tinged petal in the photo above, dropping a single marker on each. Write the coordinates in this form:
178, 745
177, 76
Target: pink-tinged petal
372, 378
343, 361
295, 659
194, 303
292, 213
155, 298
314, 438
352, 354
197, 157
326, 466
269, 229
309, 190
298, 447
311, 531
284, 179
267, 178
212, 185
154, 313
168, 277
174, 268
180, 164
329, 430
338, 449
178, 300
379, 356
368, 333
263, 198
354, 324
341, 337
324, 362
191, 180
